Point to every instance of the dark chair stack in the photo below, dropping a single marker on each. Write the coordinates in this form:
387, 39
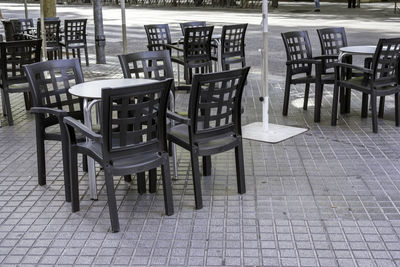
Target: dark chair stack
196, 52
132, 140
50, 81
53, 46
299, 70
233, 45
213, 124
380, 80
14, 55
75, 38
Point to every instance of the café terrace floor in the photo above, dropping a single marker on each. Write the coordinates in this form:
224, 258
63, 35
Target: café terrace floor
328, 197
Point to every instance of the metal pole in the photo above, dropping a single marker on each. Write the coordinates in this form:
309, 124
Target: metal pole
265, 65
26, 9
124, 41
43, 30
100, 38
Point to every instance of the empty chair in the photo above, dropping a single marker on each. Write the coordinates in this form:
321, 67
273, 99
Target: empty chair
148, 65
126, 145
300, 62
53, 46
213, 124
75, 38
23, 26
233, 45
158, 35
191, 24
380, 80
331, 40
196, 52
50, 81
14, 55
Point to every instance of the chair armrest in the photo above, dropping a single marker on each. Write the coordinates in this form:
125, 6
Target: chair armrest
323, 57
303, 60
178, 118
84, 130
350, 66
59, 113
174, 47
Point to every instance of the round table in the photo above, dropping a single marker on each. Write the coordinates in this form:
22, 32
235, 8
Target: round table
91, 94
362, 50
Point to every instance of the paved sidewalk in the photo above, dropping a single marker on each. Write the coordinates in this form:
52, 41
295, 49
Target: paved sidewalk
329, 197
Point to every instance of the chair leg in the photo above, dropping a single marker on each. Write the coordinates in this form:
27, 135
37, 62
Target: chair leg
153, 180
73, 52
74, 180
65, 155
86, 56
364, 105
241, 184
196, 179
112, 202
79, 55
347, 100
41, 159
167, 188
84, 163
27, 101
318, 100
306, 93
286, 98
334, 104
8, 108
381, 106
374, 113
141, 182
342, 100
206, 165
128, 178
397, 108
175, 161
3, 104
67, 52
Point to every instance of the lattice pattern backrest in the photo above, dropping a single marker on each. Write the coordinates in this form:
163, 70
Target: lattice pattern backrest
298, 46
192, 24
386, 61
52, 28
149, 65
50, 81
197, 44
215, 102
157, 36
22, 25
75, 30
332, 39
16, 54
232, 39
134, 117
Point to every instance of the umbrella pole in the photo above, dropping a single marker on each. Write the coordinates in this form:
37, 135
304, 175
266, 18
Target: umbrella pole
26, 9
43, 30
124, 41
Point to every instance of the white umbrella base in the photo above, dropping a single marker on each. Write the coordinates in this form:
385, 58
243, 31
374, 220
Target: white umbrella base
274, 134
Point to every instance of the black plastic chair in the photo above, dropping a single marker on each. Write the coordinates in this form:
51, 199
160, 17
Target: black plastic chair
124, 146
158, 35
49, 82
23, 26
213, 124
191, 24
196, 52
14, 55
148, 65
382, 79
53, 46
233, 45
300, 62
75, 38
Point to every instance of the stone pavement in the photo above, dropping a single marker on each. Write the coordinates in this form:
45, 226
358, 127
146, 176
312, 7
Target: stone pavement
329, 197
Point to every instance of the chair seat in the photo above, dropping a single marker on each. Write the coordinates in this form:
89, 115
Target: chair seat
325, 78
217, 144
73, 45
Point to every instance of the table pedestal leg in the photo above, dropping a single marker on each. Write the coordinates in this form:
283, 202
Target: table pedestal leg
91, 164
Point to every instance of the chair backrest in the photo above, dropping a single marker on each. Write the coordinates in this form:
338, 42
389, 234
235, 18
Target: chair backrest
197, 46
134, 119
331, 40
215, 104
157, 36
52, 32
14, 55
149, 65
75, 30
298, 46
50, 81
386, 62
22, 25
232, 41
191, 24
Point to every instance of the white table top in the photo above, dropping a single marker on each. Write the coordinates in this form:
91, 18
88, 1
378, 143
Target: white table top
359, 49
93, 89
